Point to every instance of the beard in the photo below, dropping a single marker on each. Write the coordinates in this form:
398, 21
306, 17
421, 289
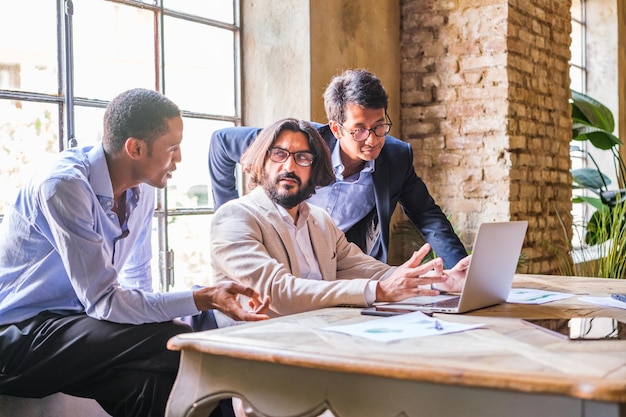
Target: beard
281, 196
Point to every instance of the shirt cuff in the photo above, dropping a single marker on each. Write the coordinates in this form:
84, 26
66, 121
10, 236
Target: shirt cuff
370, 292
223, 320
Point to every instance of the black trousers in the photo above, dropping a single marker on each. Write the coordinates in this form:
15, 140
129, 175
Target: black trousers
127, 369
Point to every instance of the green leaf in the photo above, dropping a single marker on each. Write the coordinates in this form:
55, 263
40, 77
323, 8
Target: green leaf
595, 202
594, 112
598, 138
590, 178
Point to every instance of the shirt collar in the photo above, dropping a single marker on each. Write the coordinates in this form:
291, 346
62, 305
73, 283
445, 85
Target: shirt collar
303, 214
99, 177
335, 158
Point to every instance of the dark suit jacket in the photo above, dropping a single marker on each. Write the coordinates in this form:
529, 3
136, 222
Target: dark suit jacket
395, 181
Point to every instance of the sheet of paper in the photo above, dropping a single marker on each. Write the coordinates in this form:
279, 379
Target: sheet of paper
400, 327
532, 296
603, 301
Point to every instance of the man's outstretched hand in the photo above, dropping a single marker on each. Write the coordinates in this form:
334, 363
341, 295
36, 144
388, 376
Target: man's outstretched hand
225, 298
413, 278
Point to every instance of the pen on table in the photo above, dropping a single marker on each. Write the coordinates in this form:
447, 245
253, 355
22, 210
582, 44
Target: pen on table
438, 325
619, 297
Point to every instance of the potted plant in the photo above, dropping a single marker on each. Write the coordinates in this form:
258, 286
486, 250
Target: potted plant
605, 231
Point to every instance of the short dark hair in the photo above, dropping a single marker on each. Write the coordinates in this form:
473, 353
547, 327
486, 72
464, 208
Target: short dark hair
138, 113
253, 159
357, 86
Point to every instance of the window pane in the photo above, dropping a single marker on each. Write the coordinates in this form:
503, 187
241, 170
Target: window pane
188, 187
576, 79
88, 125
577, 10
28, 46
199, 67
221, 10
189, 239
576, 47
113, 49
28, 138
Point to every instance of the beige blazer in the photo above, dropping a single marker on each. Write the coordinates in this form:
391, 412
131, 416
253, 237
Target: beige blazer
251, 244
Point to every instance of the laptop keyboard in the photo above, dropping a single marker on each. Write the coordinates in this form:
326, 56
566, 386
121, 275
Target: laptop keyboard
448, 303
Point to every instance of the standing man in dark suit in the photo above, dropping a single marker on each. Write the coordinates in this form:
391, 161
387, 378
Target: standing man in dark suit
374, 171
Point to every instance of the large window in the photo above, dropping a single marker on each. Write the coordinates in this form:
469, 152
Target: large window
578, 67
578, 82
55, 86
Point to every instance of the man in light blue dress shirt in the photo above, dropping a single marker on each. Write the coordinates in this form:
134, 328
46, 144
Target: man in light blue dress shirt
74, 232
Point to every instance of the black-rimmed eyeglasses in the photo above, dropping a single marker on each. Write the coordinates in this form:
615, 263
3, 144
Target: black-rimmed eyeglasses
361, 134
302, 158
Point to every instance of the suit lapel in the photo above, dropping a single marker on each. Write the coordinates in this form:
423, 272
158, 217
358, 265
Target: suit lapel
381, 176
323, 248
278, 224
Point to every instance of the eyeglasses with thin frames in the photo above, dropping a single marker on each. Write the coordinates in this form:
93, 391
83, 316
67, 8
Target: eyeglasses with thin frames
280, 155
361, 134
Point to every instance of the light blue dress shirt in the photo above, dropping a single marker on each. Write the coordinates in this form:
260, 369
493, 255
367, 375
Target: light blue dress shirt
61, 251
349, 199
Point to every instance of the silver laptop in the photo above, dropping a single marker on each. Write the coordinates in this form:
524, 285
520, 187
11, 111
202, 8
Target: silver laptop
495, 255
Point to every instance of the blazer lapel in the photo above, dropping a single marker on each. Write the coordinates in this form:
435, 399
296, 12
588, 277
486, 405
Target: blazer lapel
381, 176
323, 248
283, 238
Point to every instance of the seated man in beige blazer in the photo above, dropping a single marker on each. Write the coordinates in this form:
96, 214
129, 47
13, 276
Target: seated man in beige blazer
274, 242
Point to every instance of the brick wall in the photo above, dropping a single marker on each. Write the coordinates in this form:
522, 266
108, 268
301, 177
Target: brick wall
484, 103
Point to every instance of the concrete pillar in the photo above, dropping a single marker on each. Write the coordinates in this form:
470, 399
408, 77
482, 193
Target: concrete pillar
294, 47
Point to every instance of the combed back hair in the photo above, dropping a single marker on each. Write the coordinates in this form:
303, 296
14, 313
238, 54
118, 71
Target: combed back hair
253, 159
356, 86
138, 113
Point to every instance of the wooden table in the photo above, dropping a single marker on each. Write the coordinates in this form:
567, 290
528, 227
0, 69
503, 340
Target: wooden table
288, 366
